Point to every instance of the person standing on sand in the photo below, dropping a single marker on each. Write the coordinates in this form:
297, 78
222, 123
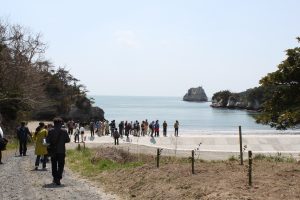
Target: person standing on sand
76, 134
176, 126
116, 136
81, 129
40, 148
22, 134
106, 128
58, 137
156, 128
165, 125
121, 128
143, 128
146, 126
151, 126
92, 129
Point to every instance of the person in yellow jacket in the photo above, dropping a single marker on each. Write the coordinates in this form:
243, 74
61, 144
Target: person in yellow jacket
40, 148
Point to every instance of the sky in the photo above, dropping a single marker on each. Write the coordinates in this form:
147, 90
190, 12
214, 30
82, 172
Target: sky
162, 48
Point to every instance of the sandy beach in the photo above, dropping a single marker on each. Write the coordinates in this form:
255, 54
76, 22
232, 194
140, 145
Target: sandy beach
209, 146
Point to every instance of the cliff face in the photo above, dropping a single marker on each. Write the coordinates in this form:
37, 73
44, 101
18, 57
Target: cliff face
75, 113
196, 95
251, 99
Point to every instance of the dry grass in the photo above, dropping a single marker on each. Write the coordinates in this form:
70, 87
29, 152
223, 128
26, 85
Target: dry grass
213, 180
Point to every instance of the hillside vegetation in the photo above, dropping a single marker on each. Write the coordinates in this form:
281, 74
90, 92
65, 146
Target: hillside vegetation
277, 97
31, 87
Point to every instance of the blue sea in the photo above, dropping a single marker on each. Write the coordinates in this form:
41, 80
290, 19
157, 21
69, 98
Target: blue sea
194, 118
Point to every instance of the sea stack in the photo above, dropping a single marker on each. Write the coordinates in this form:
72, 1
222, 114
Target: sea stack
196, 95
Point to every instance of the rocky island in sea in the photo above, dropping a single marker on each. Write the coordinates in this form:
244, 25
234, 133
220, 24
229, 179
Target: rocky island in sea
195, 95
251, 99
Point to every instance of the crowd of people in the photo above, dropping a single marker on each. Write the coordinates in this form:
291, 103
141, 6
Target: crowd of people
56, 135
124, 128
49, 141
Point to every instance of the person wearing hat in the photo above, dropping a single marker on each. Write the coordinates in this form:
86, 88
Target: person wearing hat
22, 134
40, 148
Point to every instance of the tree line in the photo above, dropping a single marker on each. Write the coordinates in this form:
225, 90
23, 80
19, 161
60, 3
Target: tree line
31, 87
278, 94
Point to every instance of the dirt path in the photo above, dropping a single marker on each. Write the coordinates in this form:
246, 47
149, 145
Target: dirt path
19, 181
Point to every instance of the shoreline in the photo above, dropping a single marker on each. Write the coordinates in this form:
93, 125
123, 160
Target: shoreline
210, 146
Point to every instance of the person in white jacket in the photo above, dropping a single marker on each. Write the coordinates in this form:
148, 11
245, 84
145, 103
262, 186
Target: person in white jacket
82, 132
1, 136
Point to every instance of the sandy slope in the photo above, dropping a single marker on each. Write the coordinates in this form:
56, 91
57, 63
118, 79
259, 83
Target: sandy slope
19, 181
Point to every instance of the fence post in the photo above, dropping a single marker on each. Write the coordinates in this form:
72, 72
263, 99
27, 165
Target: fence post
193, 162
157, 158
250, 167
241, 145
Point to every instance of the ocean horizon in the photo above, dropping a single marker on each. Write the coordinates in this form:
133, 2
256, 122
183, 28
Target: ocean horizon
195, 118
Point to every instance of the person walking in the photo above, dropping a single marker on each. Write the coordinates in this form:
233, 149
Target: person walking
176, 126
22, 134
70, 126
116, 136
2, 147
58, 137
165, 126
40, 148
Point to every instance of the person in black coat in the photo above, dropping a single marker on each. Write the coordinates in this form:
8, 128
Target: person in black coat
22, 134
58, 137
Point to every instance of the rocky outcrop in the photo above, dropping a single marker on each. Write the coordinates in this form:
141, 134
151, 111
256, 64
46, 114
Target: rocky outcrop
77, 114
251, 99
196, 95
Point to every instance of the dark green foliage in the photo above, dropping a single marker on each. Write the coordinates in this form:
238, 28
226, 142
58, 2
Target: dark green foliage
30, 86
222, 96
282, 109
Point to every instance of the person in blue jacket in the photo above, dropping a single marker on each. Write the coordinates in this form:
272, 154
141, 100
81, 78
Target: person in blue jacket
23, 133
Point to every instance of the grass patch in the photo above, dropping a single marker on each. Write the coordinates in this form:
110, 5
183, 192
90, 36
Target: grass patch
13, 143
232, 158
275, 158
89, 162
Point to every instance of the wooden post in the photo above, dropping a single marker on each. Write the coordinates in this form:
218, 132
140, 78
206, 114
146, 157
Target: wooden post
193, 162
157, 158
250, 167
78, 148
241, 145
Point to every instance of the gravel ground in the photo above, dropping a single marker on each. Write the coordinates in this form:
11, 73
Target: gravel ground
19, 181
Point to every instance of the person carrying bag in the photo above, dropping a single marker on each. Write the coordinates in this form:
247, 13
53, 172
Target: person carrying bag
40, 148
3, 143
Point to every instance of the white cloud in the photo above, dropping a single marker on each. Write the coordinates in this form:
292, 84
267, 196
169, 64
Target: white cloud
126, 38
